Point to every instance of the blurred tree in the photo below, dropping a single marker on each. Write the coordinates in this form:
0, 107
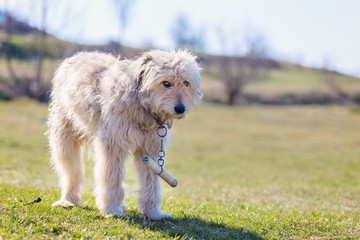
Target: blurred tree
122, 9
235, 74
239, 69
255, 44
8, 27
184, 36
257, 53
27, 85
37, 90
336, 92
36, 86
15, 86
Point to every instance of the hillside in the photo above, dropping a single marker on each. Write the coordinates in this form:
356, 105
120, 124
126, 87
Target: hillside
286, 83
274, 83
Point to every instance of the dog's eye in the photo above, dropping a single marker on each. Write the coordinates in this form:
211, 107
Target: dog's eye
166, 84
186, 83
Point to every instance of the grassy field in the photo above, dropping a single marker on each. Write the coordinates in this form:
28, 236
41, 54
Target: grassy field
244, 173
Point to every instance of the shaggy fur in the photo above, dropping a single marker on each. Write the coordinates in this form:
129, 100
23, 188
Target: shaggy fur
115, 106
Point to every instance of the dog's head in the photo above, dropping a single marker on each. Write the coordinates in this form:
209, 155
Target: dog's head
168, 83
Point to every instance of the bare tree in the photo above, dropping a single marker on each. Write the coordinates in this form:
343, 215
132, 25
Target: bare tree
35, 86
122, 8
235, 76
329, 76
237, 71
37, 89
8, 26
184, 36
13, 85
256, 45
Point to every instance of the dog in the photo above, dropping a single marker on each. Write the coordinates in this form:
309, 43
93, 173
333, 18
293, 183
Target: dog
115, 106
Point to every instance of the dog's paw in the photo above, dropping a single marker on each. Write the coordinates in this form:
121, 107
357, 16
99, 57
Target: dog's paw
156, 214
65, 204
114, 213
161, 217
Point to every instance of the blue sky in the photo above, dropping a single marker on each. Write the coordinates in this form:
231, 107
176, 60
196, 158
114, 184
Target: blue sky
301, 31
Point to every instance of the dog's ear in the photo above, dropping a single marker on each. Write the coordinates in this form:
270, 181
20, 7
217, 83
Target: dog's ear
141, 71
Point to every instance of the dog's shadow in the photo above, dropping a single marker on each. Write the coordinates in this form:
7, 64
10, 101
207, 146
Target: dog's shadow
189, 227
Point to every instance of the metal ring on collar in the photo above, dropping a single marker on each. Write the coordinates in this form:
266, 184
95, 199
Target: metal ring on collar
161, 153
158, 131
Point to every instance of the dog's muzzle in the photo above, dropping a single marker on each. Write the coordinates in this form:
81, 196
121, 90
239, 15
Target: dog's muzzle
180, 108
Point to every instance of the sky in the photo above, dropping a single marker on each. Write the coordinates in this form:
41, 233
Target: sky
307, 32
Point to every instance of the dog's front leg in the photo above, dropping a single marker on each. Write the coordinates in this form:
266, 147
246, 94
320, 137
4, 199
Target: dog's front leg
109, 173
150, 189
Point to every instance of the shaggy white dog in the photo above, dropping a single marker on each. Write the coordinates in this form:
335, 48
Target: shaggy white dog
116, 106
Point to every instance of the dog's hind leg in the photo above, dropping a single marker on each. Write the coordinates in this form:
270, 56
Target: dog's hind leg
109, 173
150, 188
66, 157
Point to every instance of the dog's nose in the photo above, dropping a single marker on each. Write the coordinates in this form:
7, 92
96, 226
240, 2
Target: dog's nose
180, 108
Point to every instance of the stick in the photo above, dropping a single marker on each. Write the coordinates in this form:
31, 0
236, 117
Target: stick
159, 171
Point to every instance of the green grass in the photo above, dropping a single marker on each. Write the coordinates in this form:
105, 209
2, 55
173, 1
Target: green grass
244, 173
